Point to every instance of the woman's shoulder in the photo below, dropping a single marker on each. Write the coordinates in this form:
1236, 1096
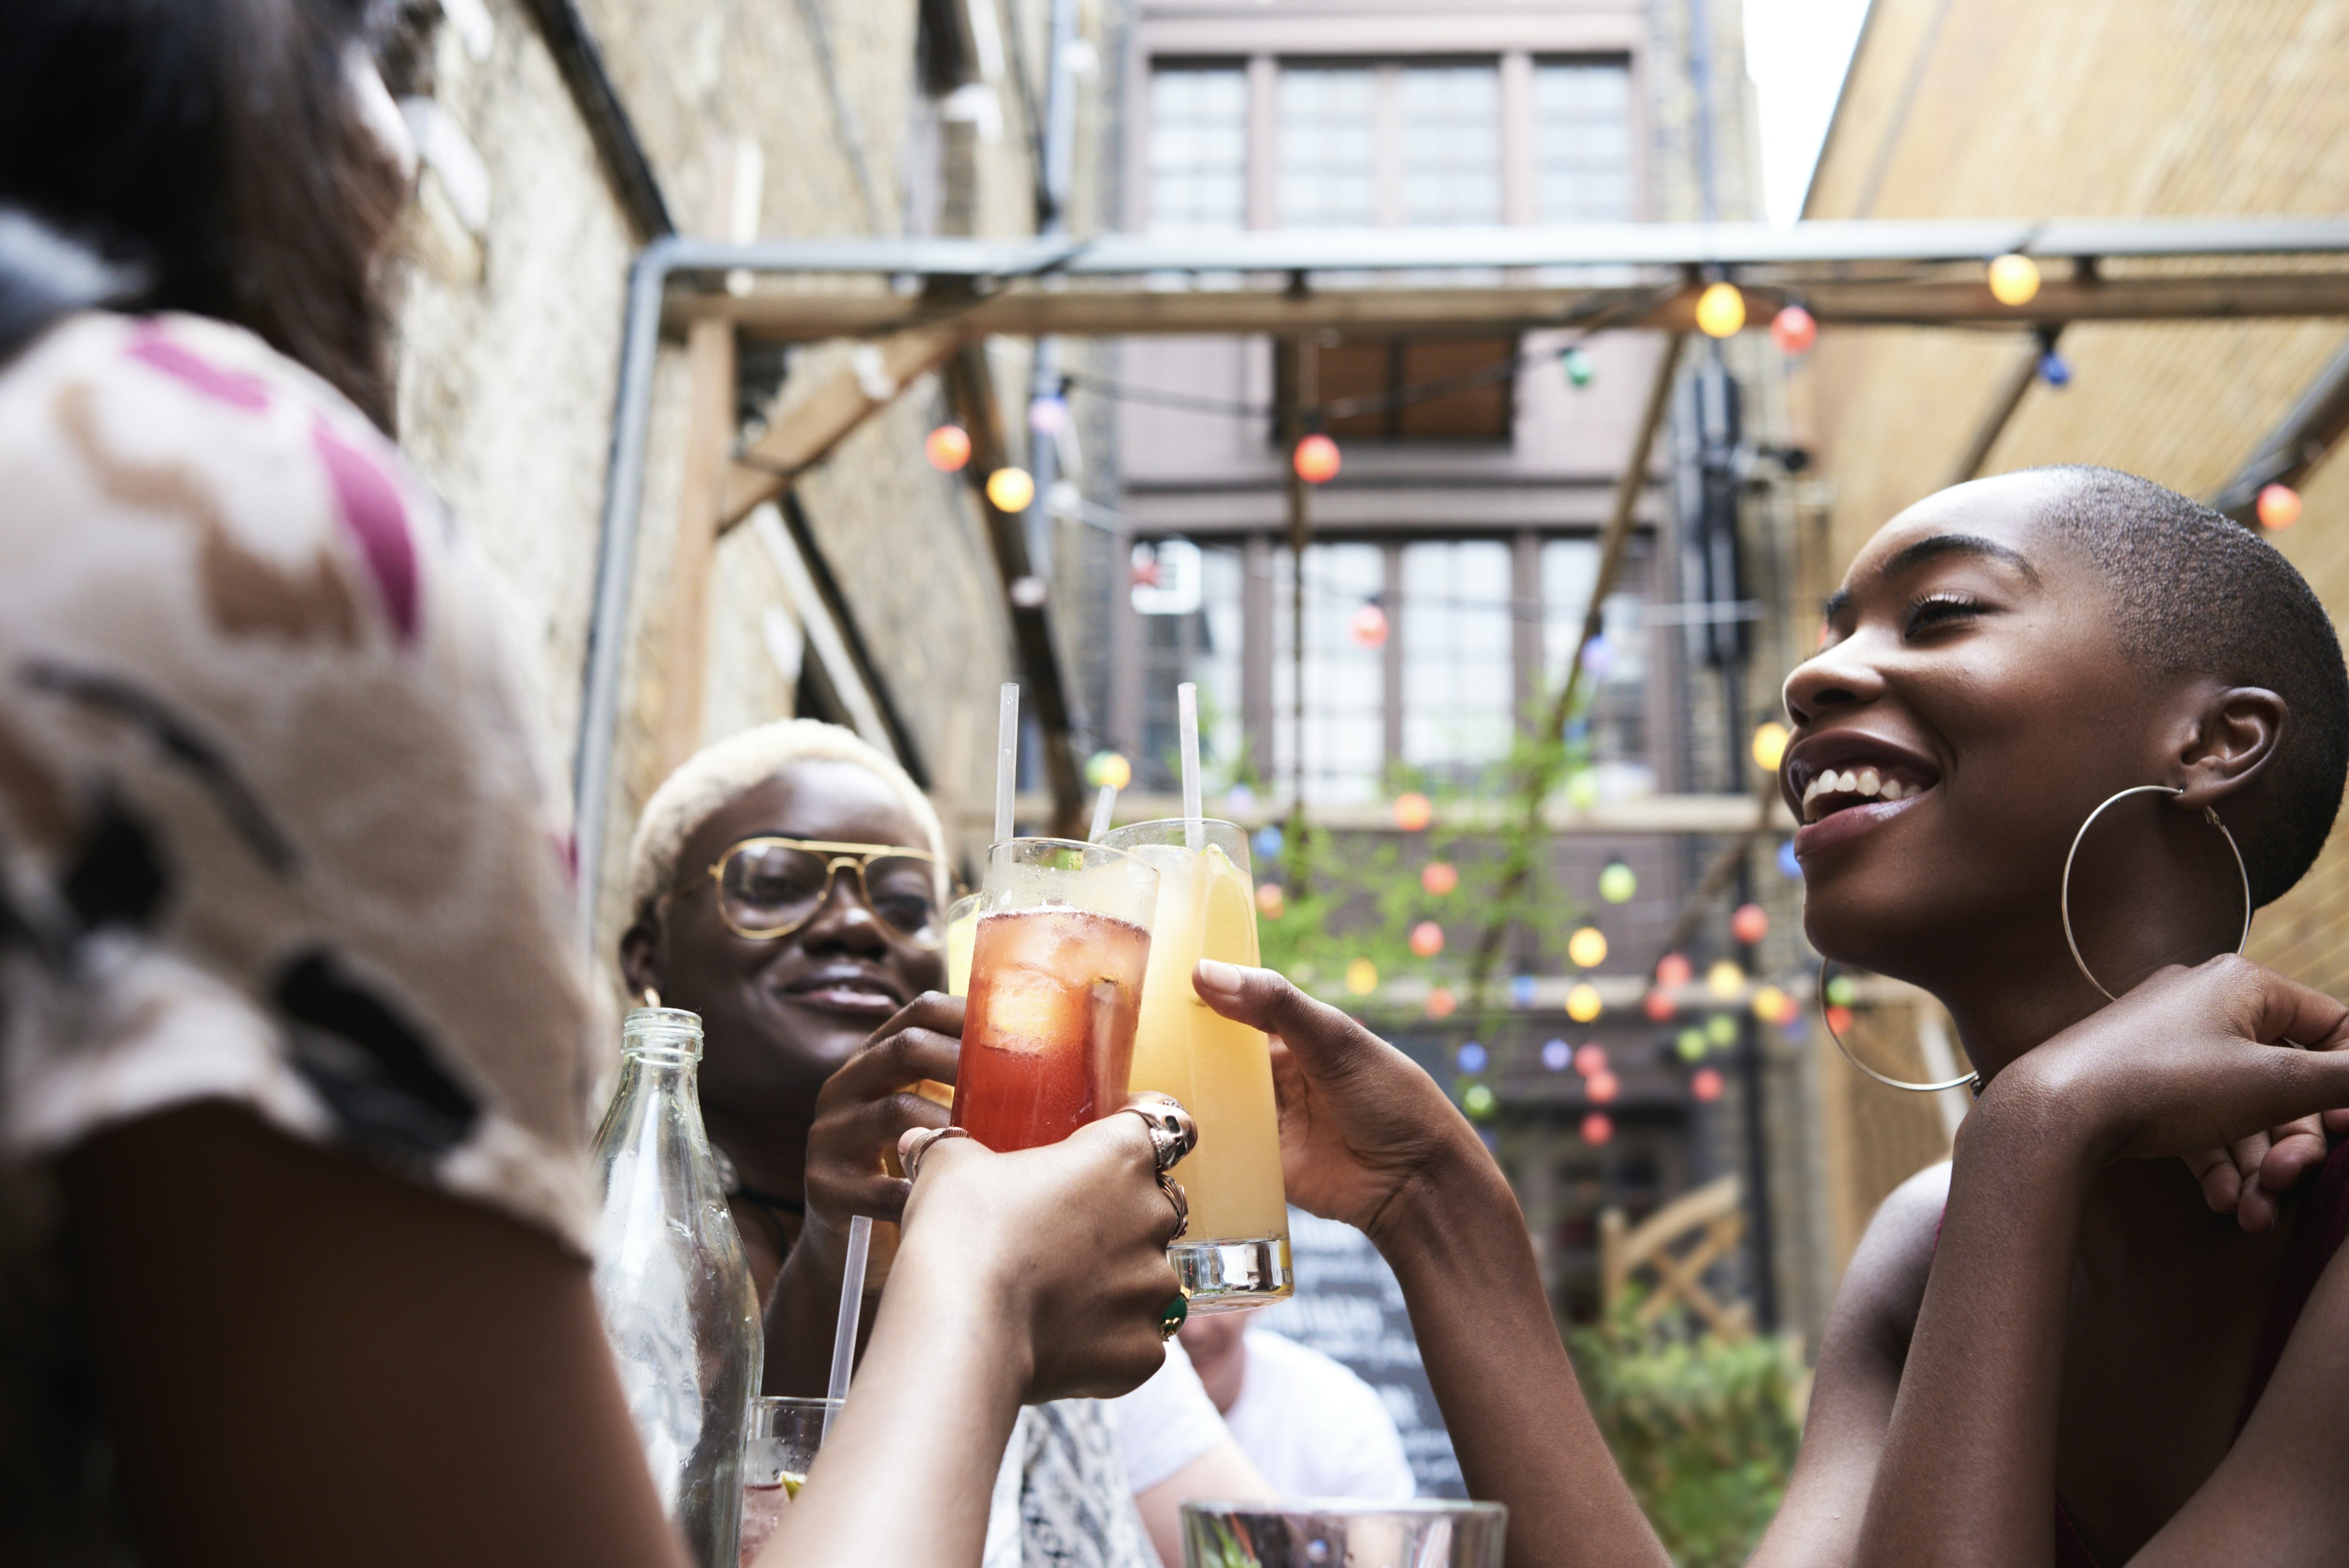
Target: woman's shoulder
256, 693
1885, 1284
113, 422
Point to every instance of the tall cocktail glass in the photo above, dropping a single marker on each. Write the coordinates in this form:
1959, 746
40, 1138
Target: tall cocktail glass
1057, 962
1236, 1253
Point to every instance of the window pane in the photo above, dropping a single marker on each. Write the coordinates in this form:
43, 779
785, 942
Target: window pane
1456, 684
1203, 644
1615, 674
1345, 682
1198, 148
1452, 144
1328, 148
1582, 143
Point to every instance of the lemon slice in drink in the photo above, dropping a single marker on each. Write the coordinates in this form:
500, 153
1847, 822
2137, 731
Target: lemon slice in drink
793, 1483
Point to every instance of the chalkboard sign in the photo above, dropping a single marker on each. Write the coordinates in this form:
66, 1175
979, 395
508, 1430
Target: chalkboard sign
1348, 1306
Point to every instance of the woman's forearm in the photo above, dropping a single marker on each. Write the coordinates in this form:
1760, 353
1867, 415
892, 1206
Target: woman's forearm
1968, 1475
906, 1476
1457, 1243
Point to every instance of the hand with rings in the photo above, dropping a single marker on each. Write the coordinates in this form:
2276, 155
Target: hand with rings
1070, 1240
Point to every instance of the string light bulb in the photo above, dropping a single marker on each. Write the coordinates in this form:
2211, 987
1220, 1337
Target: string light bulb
1413, 811
1794, 330
1427, 939
1580, 371
2279, 506
1673, 969
1750, 923
1705, 1085
1769, 746
1108, 767
1440, 1003
1368, 626
1597, 1129
1316, 458
1587, 948
1271, 900
947, 447
1361, 977
1439, 876
2014, 279
1582, 1003
1618, 884
1011, 489
1720, 310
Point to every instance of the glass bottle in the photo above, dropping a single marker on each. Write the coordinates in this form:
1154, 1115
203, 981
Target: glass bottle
673, 1286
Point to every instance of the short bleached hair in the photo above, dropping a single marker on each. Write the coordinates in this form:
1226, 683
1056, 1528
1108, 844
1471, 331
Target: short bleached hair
724, 771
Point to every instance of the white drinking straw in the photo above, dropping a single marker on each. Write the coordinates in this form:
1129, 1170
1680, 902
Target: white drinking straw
1103, 805
1007, 758
851, 1307
1186, 719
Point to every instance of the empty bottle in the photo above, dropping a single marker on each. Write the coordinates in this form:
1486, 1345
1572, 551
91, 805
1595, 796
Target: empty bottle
673, 1286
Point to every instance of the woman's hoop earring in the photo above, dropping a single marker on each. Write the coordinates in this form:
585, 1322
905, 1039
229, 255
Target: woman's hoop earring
2065, 894
1965, 1081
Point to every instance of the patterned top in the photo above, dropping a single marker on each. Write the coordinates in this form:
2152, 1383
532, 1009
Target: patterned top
271, 829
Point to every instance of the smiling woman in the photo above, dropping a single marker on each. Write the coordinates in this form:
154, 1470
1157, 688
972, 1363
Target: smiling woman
2064, 1349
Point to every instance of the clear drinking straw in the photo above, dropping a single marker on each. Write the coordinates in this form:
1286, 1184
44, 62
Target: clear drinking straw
1104, 803
1007, 758
851, 1307
1186, 718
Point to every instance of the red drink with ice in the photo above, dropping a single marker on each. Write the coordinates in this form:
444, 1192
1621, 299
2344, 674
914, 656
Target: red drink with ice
1048, 1039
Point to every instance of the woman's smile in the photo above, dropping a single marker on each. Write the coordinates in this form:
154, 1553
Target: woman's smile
1843, 783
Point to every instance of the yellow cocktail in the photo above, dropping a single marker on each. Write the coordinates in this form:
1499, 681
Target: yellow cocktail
1236, 1253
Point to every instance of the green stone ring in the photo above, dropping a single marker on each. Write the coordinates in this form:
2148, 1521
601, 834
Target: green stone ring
1171, 1316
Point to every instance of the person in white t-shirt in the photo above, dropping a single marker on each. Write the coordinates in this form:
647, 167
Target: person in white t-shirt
1312, 1428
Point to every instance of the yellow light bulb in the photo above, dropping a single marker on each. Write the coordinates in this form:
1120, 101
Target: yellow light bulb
1361, 977
1769, 746
1011, 489
1582, 1002
1725, 980
1720, 310
2014, 279
1586, 948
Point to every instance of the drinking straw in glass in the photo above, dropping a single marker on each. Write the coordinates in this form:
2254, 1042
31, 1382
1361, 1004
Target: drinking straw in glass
1007, 756
1057, 962
1236, 1253
852, 1308
1104, 805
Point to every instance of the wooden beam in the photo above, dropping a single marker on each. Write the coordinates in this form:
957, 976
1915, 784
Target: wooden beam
1537, 780
710, 436
2318, 420
1083, 310
849, 394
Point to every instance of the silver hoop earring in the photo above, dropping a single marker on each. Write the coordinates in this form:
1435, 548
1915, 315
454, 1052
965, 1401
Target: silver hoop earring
2065, 894
1963, 1081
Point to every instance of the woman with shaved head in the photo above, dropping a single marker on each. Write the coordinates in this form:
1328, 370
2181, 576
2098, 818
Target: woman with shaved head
2064, 731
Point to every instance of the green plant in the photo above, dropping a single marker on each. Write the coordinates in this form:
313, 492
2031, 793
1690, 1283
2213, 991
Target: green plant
1359, 896
1704, 1428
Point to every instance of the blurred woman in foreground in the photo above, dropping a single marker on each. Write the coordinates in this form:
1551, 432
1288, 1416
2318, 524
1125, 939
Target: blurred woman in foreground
294, 1035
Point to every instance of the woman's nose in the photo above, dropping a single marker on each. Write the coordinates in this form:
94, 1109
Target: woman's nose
1837, 677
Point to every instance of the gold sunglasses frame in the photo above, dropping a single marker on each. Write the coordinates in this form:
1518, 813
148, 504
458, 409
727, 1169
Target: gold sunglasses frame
835, 855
